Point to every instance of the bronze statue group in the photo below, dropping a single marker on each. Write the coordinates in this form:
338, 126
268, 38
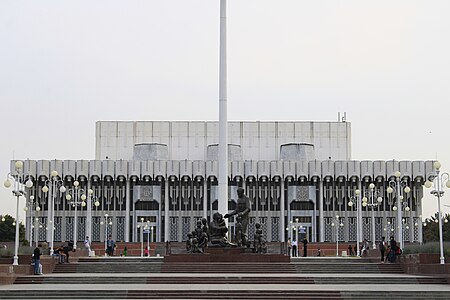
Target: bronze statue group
214, 235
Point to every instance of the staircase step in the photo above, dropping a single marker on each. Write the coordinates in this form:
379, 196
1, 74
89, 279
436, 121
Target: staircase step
219, 294
170, 294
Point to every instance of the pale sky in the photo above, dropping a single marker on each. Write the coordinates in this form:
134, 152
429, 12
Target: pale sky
66, 64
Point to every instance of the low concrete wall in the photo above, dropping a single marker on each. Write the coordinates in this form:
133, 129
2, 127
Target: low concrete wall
423, 263
8, 272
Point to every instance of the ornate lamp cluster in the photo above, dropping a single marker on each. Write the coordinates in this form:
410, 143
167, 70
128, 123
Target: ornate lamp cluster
437, 180
338, 224
21, 182
401, 188
371, 198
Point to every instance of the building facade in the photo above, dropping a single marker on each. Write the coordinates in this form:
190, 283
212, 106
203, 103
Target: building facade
162, 176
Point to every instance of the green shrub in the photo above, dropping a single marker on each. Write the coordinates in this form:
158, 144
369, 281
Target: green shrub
6, 252
432, 247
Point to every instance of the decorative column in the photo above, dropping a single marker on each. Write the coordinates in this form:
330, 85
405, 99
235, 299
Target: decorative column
166, 210
90, 205
321, 216
127, 211
282, 226
361, 225
205, 198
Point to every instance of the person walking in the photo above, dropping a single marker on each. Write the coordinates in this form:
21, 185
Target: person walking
382, 248
289, 246
393, 250
110, 244
87, 245
37, 260
294, 248
305, 245
364, 248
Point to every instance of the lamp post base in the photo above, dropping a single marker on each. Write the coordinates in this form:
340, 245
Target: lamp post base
442, 260
16, 260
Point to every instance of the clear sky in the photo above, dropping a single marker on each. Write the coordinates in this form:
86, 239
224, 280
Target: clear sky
66, 64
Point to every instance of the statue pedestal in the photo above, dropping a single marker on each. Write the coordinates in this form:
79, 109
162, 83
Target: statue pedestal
218, 254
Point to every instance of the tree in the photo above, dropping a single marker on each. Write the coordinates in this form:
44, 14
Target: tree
431, 230
8, 230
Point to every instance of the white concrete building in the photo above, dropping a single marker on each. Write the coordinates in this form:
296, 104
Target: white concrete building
298, 175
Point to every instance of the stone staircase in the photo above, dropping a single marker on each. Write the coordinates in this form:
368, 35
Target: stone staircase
111, 265
344, 268
229, 279
243, 268
171, 294
151, 278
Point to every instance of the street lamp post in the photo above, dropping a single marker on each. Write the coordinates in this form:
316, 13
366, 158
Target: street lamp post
151, 238
148, 237
51, 185
29, 207
401, 188
437, 181
290, 228
106, 223
373, 195
73, 195
337, 225
142, 237
388, 229
18, 190
37, 226
356, 200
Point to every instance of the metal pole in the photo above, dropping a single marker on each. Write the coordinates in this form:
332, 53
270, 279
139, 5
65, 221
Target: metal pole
151, 239
399, 215
337, 237
372, 203
142, 241
359, 219
106, 234
223, 123
441, 241
358, 224
31, 225
36, 231
75, 219
89, 211
148, 241
16, 244
51, 211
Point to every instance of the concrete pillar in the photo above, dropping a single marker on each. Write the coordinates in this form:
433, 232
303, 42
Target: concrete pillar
166, 210
321, 215
127, 211
205, 199
89, 212
282, 226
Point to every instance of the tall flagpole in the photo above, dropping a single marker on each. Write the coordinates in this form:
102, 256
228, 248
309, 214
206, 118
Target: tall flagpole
223, 124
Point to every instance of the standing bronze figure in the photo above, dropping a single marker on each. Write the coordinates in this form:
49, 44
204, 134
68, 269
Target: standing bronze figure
243, 209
